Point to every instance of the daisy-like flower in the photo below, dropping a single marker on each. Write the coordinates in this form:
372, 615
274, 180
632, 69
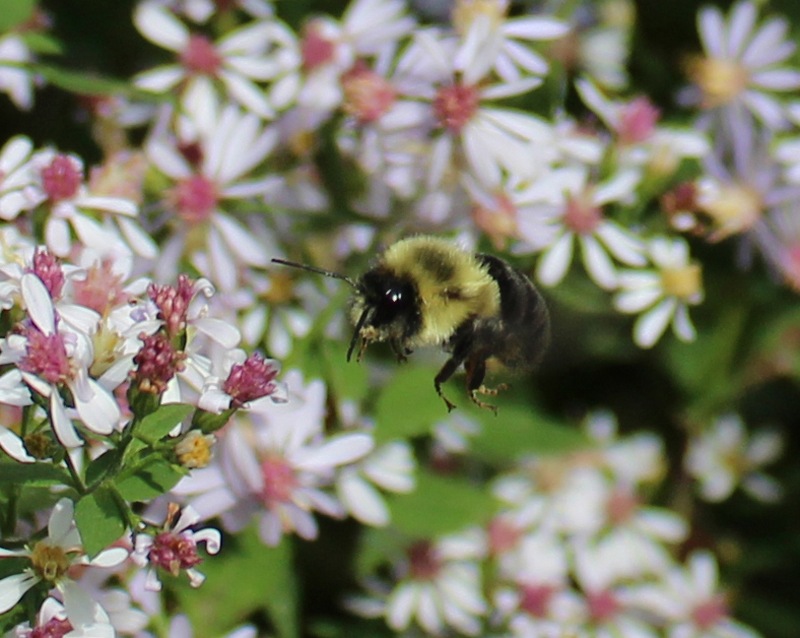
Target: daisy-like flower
489, 37
207, 173
15, 80
51, 356
570, 212
722, 458
51, 559
690, 600
239, 61
201, 11
52, 622
662, 295
743, 64
275, 465
174, 547
439, 587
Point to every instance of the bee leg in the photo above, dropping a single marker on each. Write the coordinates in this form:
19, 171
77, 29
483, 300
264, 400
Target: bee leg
362, 348
447, 371
476, 371
400, 350
493, 391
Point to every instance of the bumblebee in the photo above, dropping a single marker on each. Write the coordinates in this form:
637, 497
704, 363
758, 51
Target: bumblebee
426, 291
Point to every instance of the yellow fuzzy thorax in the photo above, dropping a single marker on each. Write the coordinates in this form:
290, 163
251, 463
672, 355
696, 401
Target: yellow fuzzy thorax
451, 283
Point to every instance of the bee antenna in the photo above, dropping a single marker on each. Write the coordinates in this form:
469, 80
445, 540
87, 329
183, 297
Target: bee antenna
319, 271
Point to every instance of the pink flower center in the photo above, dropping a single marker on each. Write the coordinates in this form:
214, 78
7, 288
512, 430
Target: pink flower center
47, 267
710, 613
251, 380
603, 605
499, 222
174, 552
61, 178
316, 49
53, 628
156, 363
173, 303
581, 216
536, 599
200, 56
637, 121
503, 536
46, 356
279, 481
101, 290
367, 95
194, 198
425, 564
621, 505
455, 105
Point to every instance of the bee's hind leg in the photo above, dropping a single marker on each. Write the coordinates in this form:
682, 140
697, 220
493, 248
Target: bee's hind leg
476, 372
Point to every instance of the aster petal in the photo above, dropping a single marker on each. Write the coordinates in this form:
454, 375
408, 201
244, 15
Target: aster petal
625, 246
270, 529
777, 79
140, 242
110, 557
619, 188
247, 94
428, 609
167, 159
156, 23
682, 325
15, 152
160, 79
765, 108
247, 246
338, 450
764, 447
80, 608
555, 261
711, 26
633, 301
304, 523
220, 331
740, 24
400, 606
12, 588
212, 539
762, 487
597, 262
476, 141
100, 413
38, 303
12, 445
13, 390
651, 325
62, 425
362, 500
703, 567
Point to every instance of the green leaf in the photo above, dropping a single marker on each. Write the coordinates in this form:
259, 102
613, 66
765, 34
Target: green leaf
346, 380
148, 479
408, 406
245, 578
440, 505
98, 468
157, 425
99, 520
42, 43
15, 13
33, 474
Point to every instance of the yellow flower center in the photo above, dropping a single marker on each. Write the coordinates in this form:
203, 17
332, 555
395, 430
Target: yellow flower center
106, 344
684, 283
735, 209
281, 289
195, 450
720, 80
465, 12
49, 561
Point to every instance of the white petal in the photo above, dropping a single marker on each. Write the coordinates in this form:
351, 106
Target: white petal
110, 557
160, 79
400, 606
651, 325
682, 325
81, 609
57, 237
38, 303
361, 499
12, 445
555, 262
62, 425
247, 247
159, 25
12, 588
633, 301
597, 263
338, 450
100, 413
220, 331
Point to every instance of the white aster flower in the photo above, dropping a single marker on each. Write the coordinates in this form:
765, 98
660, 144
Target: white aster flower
744, 63
52, 621
722, 457
276, 465
662, 295
239, 61
50, 559
570, 212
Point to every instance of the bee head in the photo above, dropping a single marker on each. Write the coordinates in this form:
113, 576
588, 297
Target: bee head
386, 307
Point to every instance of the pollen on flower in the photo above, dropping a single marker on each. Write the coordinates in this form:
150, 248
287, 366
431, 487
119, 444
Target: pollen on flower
279, 480
251, 380
53, 628
424, 562
194, 198
200, 56
195, 449
156, 363
535, 599
173, 303
46, 356
683, 283
61, 178
454, 106
101, 289
367, 95
710, 612
47, 267
581, 216
603, 605
720, 80
39, 445
174, 552
465, 12
637, 121
49, 561
315, 49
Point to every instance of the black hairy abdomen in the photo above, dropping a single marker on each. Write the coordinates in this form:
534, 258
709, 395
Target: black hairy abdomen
519, 334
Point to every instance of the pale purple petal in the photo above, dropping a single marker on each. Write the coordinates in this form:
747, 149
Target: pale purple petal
740, 24
711, 25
